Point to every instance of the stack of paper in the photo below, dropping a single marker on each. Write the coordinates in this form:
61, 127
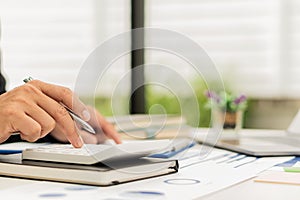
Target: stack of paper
279, 177
283, 173
198, 176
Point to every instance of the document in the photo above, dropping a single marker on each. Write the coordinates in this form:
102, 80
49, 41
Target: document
279, 177
283, 173
197, 177
18, 147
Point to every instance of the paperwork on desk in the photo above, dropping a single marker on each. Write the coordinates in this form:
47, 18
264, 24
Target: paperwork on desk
17, 147
197, 177
279, 177
284, 173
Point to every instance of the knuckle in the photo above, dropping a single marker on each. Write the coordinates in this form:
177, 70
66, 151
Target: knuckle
52, 125
30, 137
61, 113
27, 138
28, 88
66, 92
49, 126
21, 100
10, 111
36, 130
24, 91
35, 82
4, 137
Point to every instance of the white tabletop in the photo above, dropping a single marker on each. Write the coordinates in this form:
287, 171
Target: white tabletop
250, 190
247, 190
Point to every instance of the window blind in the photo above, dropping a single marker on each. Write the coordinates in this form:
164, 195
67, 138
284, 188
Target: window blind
254, 43
50, 39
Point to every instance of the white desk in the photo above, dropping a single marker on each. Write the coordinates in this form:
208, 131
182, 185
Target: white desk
250, 190
247, 190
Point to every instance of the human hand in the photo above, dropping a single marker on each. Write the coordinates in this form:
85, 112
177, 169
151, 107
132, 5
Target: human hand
34, 110
103, 129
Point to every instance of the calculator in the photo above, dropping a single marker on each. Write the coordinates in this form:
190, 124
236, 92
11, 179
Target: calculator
94, 153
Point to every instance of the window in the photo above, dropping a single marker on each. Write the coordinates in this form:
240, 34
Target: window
50, 39
254, 43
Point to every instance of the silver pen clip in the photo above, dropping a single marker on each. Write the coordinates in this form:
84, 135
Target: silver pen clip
84, 125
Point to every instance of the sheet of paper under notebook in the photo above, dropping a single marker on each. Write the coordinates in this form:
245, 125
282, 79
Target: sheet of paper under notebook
18, 147
279, 177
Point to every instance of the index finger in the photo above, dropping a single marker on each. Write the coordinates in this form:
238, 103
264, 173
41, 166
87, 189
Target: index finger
62, 118
107, 128
64, 95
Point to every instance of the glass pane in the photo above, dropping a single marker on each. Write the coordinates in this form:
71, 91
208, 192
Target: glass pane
240, 37
50, 40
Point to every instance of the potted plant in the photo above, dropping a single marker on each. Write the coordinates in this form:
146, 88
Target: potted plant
227, 108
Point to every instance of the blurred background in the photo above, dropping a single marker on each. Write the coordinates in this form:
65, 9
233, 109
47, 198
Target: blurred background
255, 44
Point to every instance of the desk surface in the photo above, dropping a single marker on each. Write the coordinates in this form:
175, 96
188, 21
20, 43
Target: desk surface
247, 190
250, 190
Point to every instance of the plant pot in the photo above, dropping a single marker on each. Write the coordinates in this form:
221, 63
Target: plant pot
229, 120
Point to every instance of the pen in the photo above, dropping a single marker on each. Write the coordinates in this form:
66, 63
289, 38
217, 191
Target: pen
84, 125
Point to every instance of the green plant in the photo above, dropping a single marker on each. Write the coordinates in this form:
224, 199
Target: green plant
225, 101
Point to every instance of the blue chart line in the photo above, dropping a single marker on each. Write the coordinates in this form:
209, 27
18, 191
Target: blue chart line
289, 163
238, 158
251, 161
205, 160
182, 181
80, 188
52, 195
142, 194
229, 158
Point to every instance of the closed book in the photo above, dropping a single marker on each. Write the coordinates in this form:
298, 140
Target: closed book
98, 174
